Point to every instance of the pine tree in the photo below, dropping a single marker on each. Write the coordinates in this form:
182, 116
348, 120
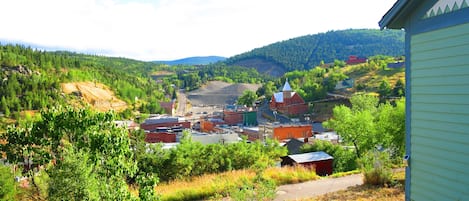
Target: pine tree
5, 108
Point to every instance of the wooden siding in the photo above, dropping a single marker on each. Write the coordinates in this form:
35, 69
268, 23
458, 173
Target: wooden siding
439, 114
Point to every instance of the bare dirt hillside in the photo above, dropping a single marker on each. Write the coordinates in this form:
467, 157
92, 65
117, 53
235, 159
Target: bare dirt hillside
219, 93
99, 96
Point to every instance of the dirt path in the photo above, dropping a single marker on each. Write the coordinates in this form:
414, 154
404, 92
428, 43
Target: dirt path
314, 188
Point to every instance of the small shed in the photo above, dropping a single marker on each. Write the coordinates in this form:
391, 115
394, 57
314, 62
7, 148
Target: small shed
320, 160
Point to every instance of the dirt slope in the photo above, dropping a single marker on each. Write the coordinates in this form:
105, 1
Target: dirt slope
99, 96
219, 93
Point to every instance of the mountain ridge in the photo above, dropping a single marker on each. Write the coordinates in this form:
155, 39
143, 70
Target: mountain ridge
196, 60
307, 52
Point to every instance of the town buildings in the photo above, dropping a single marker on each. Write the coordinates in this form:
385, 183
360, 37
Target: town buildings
164, 121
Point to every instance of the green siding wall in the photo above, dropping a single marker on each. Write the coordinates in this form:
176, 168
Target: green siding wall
439, 115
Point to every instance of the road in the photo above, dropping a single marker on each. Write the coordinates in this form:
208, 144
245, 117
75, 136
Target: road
182, 103
319, 187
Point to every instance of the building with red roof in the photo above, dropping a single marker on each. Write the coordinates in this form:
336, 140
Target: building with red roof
288, 102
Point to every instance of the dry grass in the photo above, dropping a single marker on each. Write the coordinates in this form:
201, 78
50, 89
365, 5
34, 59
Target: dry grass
202, 186
369, 193
210, 185
372, 78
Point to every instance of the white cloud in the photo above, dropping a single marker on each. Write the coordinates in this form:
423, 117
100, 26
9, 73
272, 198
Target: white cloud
171, 29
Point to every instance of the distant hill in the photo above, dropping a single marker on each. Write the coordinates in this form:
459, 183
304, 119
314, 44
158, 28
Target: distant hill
193, 60
306, 52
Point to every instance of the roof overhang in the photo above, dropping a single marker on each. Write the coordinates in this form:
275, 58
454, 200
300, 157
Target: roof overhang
397, 16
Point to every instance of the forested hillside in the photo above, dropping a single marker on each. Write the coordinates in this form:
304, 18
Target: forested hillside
33, 79
193, 61
371, 76
306, 52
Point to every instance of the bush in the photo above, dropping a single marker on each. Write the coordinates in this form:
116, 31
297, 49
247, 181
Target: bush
7, 183
376, 168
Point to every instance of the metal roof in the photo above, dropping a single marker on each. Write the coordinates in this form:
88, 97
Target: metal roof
286, 87
279, 96
310, 157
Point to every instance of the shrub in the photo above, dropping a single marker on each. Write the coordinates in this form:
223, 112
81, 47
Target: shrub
376, 168
7, 183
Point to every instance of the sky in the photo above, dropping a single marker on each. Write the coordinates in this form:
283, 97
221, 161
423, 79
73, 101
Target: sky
173, 29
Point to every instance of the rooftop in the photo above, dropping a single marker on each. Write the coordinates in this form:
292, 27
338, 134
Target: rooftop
310, 157
286, 87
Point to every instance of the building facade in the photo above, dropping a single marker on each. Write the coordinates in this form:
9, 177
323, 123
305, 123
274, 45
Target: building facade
437, 109
282, 132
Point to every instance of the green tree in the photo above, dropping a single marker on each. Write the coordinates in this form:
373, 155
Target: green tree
4, 107
73, 178
247, 98
399, 88
384, 88
92, 132
147, 184
267, 90
333, 78
356, 125
390, 128
7, 184
368, 125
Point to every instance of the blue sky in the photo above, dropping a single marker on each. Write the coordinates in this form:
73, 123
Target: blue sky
173, 29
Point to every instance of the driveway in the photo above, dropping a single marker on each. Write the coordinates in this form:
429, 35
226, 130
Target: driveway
318, 187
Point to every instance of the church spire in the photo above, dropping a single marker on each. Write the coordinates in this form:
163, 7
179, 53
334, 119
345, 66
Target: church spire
286, 87
287, 92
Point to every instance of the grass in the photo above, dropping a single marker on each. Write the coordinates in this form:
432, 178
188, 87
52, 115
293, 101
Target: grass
373, 77
213, 185
343, 174
369, 193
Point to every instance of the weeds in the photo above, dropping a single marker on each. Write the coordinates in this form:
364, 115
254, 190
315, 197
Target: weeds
376, 168
234, 184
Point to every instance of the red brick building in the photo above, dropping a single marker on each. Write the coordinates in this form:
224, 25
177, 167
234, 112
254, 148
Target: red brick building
160, 137
288, 102
152, 123
234, 115
169, 107
356, 60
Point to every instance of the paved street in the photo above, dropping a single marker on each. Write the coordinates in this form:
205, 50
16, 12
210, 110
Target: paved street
319, 187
